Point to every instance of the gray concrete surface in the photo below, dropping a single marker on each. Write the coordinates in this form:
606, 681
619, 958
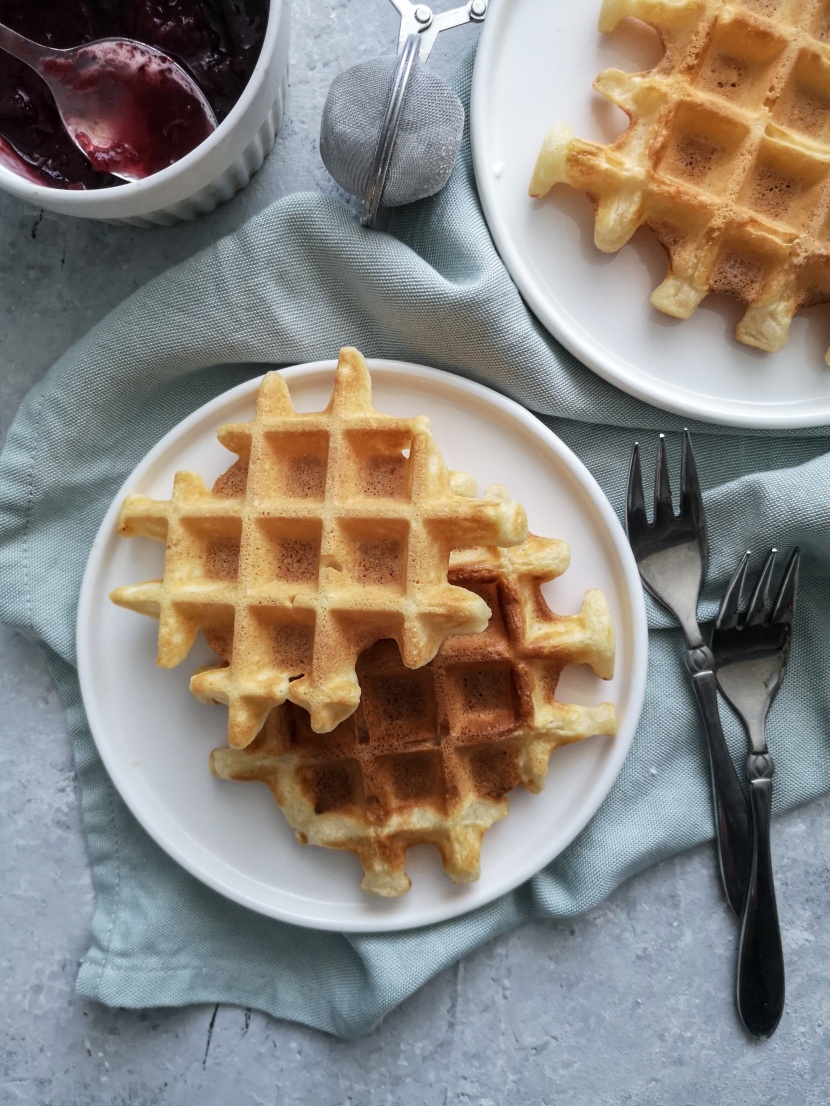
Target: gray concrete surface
631, 1003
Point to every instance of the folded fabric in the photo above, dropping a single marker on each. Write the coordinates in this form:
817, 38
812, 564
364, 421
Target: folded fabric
295, 284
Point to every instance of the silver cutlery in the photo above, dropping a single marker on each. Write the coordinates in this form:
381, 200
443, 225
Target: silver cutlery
751, 647
672, 554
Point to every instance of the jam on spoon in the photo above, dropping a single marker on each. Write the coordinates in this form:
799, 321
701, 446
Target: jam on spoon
130, 109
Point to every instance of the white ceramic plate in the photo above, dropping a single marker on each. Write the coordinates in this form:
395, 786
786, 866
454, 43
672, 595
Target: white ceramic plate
536, 64
154, 737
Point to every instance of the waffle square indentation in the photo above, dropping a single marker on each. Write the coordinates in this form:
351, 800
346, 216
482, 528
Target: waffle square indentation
222, 558
294, 464
493, 768
385, 476
377, 464
804, 104
335, 785
785, 185
412, 778
377, 552
290, 550
739, 63
285, 636
204, 551
480, 698
399, 706
704, 147
743, 265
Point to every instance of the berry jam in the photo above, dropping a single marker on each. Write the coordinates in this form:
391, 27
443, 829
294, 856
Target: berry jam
217, 41
132, 111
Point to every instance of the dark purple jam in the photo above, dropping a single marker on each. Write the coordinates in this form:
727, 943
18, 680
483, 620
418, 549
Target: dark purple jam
218, 41
153, 114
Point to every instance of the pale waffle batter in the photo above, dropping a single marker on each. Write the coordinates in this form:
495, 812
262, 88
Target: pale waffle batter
332, 530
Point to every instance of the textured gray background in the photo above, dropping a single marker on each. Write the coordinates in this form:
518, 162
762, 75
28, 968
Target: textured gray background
631, 1003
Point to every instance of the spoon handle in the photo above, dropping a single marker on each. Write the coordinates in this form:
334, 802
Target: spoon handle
30, 53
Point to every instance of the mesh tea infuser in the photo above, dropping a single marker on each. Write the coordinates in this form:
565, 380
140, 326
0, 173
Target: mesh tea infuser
391, 128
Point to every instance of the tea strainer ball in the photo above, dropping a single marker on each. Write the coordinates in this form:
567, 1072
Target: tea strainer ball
391, 128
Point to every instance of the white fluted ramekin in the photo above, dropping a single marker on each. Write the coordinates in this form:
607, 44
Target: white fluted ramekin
208, 175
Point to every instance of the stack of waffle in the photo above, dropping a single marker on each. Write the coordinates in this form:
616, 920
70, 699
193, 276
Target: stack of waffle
386, 655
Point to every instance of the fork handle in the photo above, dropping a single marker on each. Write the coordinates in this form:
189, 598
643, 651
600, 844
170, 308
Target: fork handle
760, 957
732, 820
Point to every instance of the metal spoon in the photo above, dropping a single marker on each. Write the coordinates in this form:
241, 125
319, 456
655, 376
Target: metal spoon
128, 107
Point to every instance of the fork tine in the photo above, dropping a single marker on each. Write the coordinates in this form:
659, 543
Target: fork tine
782, 607
636, 518
731, 603
756, 605
691, 498
663, 509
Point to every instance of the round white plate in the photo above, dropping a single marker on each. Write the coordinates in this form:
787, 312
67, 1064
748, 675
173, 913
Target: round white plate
536, 64
155, 738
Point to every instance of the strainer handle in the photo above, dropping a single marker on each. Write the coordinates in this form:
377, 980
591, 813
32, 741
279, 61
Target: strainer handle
418, 19
389, 131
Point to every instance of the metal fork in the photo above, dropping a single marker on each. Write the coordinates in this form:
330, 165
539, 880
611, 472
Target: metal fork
751, 649
672, 554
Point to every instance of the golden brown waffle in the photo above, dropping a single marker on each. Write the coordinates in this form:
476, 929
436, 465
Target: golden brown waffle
332, 530
430, 755
726, 157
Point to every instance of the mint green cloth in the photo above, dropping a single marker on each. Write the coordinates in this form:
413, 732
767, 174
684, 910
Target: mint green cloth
295, 284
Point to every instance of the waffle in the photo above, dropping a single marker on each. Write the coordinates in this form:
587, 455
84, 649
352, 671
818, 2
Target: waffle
430, 755
726, 157
332, 530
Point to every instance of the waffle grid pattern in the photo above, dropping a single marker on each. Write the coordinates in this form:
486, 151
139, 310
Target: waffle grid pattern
333, 530
726, 157
430, 755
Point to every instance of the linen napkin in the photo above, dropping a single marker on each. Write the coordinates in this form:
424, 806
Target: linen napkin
293, 285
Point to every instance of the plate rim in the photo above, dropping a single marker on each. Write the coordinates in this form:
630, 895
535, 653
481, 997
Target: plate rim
621, 377
631, 594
